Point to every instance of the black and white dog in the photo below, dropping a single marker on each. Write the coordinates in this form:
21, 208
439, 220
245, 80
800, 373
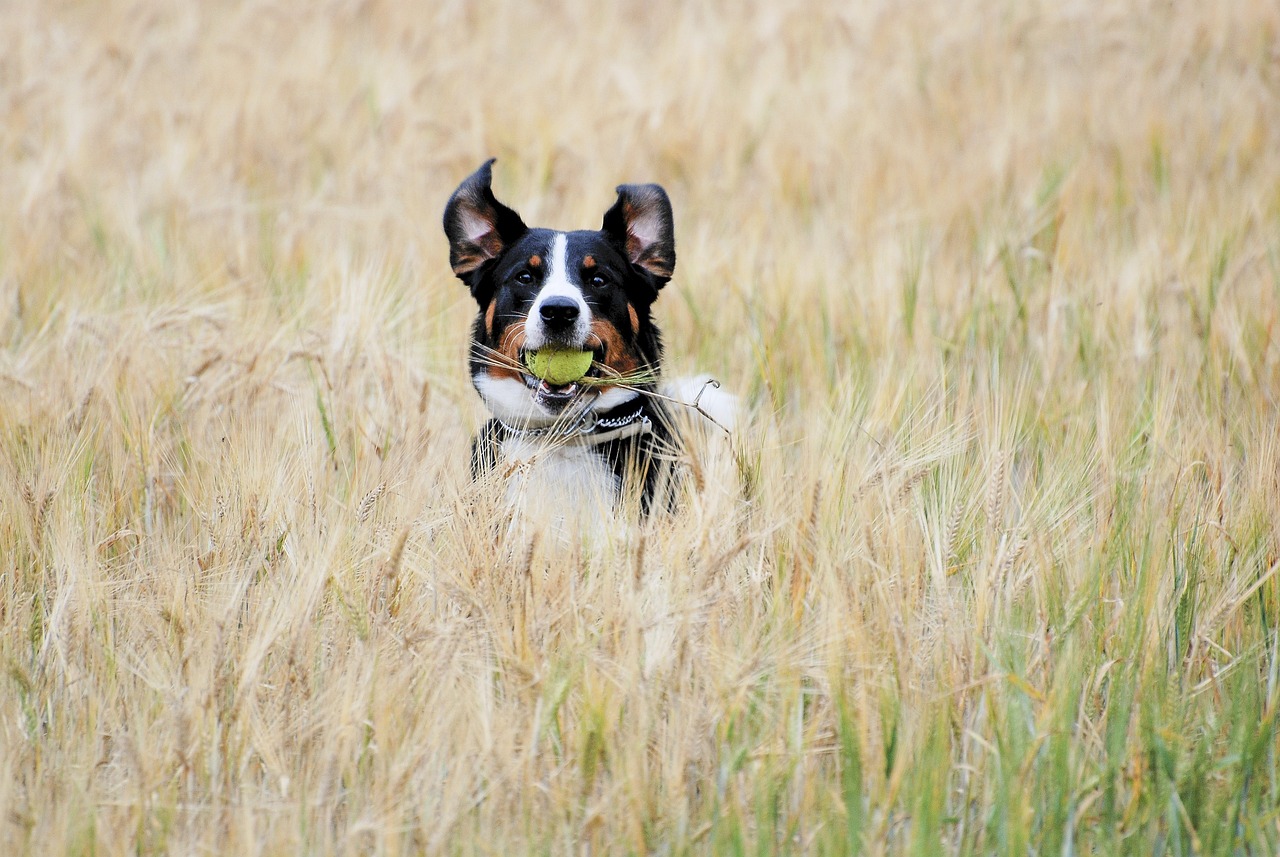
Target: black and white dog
586, 290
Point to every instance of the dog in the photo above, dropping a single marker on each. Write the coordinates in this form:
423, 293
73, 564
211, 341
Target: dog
587, 441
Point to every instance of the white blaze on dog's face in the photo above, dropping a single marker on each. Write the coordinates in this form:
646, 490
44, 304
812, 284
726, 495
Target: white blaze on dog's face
588, 290
559, 315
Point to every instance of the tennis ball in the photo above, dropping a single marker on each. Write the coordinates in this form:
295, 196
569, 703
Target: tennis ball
558, 366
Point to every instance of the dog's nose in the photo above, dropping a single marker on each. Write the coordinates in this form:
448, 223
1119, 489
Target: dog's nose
559, 311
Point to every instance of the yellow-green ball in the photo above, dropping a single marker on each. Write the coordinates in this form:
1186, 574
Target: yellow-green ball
558, 366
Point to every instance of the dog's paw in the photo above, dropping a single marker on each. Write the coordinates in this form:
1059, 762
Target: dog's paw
704, 393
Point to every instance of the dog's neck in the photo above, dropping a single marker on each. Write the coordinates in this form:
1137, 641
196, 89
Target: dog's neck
590, 427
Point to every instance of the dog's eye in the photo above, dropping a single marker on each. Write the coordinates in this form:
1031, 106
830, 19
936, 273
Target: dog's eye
524, 278
598, 281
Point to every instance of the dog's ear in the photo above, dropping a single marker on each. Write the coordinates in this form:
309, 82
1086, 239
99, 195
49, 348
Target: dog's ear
477, 225
641, 221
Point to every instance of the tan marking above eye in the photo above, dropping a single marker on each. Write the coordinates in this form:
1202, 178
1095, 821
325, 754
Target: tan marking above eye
588, 261
488, 317
535, 261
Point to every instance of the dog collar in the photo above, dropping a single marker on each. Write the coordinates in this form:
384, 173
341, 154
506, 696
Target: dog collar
588, 429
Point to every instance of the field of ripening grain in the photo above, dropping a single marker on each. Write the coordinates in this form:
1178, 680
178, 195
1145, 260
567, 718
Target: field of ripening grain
992, 566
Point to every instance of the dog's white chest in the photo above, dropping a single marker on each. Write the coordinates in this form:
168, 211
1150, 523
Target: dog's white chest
557, 480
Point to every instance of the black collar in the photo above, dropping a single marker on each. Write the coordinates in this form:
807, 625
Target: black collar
590, 428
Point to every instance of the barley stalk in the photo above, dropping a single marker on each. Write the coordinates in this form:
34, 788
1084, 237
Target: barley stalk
365, 509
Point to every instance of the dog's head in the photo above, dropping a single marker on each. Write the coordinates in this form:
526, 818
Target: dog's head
586, 290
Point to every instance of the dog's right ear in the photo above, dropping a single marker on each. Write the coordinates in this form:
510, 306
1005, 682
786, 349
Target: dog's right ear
477, 225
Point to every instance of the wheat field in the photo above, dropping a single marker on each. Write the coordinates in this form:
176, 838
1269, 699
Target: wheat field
990, 566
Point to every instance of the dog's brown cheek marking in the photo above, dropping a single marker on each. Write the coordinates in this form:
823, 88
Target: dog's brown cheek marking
513, 341
488, 317
618, 355
499, 373
510, 347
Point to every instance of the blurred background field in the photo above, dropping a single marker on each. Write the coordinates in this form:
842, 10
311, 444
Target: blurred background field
997, 281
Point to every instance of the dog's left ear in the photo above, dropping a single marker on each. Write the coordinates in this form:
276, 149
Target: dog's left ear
641, 221
477, 225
